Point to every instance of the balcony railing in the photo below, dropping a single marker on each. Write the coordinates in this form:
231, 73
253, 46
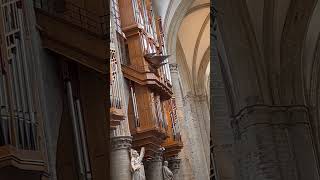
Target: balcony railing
75, 15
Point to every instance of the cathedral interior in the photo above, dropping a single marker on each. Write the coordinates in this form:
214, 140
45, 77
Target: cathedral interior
159, 90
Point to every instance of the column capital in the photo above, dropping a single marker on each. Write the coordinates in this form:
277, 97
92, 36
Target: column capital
157, 157
174, 163
193, 97
121, 142
269, 114
173, 67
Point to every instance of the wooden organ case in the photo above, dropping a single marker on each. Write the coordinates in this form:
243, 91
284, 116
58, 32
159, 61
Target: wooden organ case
150, 112
22, 156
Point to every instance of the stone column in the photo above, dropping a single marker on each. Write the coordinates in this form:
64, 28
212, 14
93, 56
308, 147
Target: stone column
174, 166
203, 118
177, 90
120, 158
186, 171
274, 143
221, 130
153, 167
190, 130
198, 156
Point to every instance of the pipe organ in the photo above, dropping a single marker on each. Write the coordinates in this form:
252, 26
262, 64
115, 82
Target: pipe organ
20, 132
151, 112
116, 78
23, 119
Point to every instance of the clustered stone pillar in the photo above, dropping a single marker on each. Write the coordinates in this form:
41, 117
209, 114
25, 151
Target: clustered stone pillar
154, 167
190, 129
120, 158
274, 143
174, 166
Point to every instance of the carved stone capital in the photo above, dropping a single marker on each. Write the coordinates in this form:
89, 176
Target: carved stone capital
264, 114
121, 142
174, 163
157, 157
189, 97
173, 67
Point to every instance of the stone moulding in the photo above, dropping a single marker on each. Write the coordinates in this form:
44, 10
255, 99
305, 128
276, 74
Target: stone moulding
121, 142
269, 115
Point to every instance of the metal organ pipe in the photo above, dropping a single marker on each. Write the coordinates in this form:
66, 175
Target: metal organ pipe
135, 109
84, 142
75, 126
16, 107
3, 106
23, 126
27, 80
5, 110
1, 114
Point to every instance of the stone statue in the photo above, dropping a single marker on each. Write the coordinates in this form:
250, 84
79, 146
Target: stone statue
137, 165
167, 174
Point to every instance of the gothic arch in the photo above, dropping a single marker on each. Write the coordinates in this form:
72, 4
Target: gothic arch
185, 74
185, 42
200, 80
174, 18
205, 56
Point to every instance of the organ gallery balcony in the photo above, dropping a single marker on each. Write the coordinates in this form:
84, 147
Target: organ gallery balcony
29, 160
147, 68
19, 147
84, 37
20, 124
146, 120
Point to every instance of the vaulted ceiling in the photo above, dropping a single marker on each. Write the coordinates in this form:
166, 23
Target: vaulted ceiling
278, 14
193, 41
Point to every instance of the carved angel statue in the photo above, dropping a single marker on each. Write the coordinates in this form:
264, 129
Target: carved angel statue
167, 174
137, 165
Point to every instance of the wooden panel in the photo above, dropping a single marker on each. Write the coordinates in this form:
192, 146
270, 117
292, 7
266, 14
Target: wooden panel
172, 146
135, 51
21, 159
126, 13
76, 43
93, 93
131, 115
149, 79
143, 95
99, 7
66, 162
147, 135
11, 173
